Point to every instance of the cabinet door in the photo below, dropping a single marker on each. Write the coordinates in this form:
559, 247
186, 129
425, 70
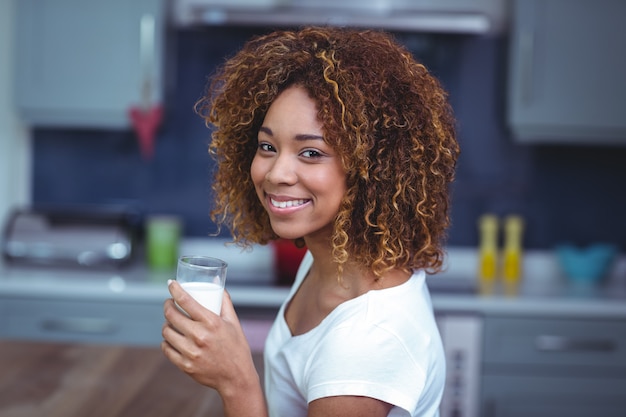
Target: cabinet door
565, 346
570, 367
566, 74
541, 396
78, 62
109, 322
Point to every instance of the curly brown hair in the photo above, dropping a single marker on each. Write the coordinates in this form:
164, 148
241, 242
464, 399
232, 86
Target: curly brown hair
382, 112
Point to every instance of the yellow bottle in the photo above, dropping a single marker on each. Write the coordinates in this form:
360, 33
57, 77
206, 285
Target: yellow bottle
512, 263
488, 249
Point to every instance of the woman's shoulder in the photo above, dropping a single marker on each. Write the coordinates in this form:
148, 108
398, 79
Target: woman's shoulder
410, 299
402, 313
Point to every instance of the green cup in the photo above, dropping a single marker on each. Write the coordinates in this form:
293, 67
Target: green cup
162, 240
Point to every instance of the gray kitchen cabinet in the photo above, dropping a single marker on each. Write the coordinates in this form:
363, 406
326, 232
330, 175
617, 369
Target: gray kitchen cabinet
566, 71
78, 63
553, 367
88, 321
552, 397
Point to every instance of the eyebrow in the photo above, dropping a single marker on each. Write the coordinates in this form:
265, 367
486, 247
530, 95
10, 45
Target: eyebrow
299, 137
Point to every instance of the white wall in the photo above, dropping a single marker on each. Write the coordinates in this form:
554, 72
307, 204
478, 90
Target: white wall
15, 142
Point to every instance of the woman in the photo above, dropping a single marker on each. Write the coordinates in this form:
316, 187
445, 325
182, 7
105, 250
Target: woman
340, 140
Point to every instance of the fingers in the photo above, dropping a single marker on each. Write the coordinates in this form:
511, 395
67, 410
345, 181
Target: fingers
174, 317
203, 344
170, 353
182, 348
171, 338
175, 326
191, 307
185, 330
176, 358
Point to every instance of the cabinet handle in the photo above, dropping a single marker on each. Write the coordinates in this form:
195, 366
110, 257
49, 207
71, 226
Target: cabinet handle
554, 343
79, 325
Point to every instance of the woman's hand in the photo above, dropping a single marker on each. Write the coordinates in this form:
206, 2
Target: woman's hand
212, 349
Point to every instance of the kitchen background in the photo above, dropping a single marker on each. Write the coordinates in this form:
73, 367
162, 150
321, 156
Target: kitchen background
566, 192
554, 154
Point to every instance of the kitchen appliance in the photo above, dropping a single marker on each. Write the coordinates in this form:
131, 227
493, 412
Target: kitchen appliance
101, 237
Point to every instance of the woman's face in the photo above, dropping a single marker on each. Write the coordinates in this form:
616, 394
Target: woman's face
298, 177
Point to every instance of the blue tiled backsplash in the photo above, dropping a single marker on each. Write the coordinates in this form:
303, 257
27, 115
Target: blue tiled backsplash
565, 193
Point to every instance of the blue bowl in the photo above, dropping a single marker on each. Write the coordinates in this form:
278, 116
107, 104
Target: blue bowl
588, 264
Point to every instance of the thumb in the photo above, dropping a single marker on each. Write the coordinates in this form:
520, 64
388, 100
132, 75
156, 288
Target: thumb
228, 310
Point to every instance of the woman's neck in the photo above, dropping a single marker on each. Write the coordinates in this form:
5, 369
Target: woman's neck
355, 279
323, 290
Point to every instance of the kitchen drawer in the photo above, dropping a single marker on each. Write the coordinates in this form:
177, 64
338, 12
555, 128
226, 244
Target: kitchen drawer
82, 321
582, 343
549, 396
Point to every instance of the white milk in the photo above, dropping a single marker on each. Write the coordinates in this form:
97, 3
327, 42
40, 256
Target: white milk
206, 293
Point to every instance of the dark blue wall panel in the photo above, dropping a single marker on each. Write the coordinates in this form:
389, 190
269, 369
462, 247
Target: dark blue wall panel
565, 193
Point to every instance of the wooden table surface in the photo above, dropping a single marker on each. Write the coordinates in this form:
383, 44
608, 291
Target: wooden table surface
43, 379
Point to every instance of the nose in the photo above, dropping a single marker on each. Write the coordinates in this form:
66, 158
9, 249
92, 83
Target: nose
282, 170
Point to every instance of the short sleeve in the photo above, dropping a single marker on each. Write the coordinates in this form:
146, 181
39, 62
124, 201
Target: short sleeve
368, 360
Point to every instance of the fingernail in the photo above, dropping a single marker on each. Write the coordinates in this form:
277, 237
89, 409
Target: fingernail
169, 281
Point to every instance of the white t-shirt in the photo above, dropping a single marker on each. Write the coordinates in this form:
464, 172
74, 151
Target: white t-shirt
383, 344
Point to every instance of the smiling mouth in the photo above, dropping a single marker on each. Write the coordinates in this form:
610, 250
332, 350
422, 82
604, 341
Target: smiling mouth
287, 204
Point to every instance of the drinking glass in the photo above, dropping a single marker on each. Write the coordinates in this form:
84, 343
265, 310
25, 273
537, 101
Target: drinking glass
203, 277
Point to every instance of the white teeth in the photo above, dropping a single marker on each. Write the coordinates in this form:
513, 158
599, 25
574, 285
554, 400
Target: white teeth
285, 204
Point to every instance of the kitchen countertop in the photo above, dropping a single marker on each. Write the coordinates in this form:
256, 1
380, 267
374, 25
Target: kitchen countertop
542, 292
249, 278
77, 380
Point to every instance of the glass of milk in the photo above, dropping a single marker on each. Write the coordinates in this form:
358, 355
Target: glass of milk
203, 278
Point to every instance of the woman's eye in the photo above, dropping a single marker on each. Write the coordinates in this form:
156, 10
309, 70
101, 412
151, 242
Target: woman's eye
311, 153
266, 147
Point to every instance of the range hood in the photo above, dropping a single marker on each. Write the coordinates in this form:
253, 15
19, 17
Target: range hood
434, 16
